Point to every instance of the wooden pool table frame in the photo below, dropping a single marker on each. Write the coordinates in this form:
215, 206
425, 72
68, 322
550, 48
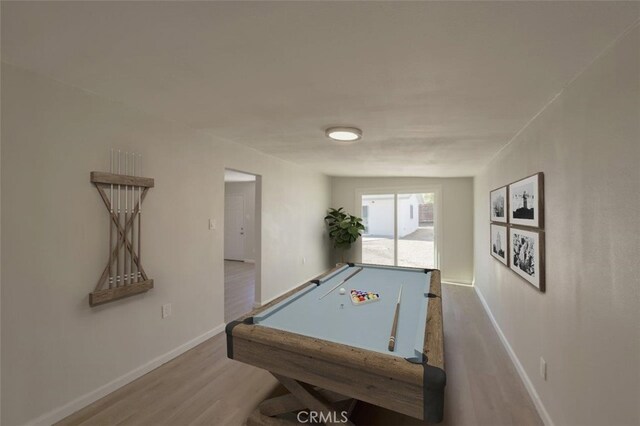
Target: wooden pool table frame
388, 381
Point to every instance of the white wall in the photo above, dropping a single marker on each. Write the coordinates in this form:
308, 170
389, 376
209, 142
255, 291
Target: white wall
456, 258
406, 223
380, 216
248, 192
55, 348
587, 324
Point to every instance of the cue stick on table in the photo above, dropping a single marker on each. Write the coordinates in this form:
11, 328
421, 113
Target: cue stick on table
394, 328
340, 283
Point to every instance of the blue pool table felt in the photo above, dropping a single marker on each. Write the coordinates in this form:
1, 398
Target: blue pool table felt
366, 326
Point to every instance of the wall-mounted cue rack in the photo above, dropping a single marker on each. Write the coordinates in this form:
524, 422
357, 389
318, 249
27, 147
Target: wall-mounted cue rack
123, 275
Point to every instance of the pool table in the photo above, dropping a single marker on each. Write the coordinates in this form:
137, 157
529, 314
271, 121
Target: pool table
324, 348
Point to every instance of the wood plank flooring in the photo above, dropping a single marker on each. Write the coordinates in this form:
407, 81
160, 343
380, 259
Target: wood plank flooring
239, 288
203, 387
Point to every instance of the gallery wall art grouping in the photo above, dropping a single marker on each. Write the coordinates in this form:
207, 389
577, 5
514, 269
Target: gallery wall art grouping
517, 228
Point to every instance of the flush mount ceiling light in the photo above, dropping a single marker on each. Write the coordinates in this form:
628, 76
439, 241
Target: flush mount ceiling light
344, 134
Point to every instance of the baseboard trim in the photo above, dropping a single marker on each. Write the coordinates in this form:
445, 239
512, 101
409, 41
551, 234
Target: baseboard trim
453, 282
542, 411
60, 413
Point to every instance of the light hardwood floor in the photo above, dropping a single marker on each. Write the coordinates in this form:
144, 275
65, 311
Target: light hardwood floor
239, 288
203, 387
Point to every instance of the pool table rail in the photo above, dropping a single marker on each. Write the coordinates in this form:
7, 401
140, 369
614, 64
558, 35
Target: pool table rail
381, 379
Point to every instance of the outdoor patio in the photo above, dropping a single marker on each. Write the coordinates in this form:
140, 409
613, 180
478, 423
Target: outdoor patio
415, 249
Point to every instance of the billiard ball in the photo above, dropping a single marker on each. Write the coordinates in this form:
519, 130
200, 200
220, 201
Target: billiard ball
343, 291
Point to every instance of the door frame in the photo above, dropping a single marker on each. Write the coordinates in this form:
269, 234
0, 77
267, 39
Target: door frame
257, 295
438, 217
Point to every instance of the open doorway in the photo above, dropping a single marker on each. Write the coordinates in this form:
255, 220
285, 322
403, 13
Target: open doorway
241, 242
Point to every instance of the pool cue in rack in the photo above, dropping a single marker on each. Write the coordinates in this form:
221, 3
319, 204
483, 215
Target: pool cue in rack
130, 278
111, 277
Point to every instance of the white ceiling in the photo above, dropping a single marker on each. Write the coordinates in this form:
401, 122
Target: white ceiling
233, 176
437, 87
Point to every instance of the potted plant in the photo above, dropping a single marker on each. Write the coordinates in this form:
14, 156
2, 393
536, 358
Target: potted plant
344, 229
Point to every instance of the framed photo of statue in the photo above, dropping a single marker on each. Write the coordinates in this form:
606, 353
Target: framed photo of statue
526, 202
499, 245
526, 247
498, 201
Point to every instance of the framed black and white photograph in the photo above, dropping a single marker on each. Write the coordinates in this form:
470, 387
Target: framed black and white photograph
526, 202
527, 255
499, 243
498, 205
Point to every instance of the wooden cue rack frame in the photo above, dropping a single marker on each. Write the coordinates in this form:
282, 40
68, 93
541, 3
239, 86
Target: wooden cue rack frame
126, 278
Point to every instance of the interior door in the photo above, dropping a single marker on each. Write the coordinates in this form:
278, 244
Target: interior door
234, 227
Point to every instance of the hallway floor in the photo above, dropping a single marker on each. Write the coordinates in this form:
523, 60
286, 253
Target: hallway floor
203, 387
239, 288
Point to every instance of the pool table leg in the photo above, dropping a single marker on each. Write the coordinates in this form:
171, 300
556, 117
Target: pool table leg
310, 398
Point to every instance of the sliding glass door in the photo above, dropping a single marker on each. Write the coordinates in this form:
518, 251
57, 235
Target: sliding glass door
416, 236
399, 229
378, 241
